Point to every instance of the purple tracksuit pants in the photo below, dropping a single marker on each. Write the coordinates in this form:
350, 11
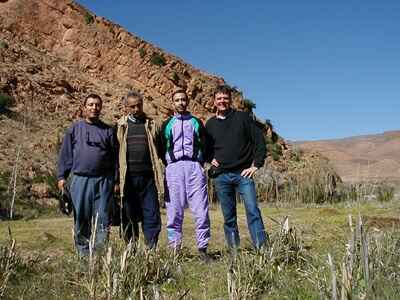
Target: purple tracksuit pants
187, 187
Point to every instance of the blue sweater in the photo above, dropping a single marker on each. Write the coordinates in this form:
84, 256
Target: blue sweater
88, 150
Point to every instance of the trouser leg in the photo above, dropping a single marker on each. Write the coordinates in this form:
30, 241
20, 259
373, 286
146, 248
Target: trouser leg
102, 209
176, 204
225, 190
196, 188
130, 211
151, 221
81, 194
255, 223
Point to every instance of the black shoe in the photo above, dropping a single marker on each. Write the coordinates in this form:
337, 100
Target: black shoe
204, 256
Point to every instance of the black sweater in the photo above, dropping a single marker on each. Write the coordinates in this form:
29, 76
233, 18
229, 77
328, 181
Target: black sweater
235, 142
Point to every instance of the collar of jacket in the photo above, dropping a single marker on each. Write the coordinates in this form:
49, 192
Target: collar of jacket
123, 121
183, 117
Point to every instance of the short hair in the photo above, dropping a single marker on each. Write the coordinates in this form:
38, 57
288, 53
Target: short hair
132, 94
223, 89
93, 96
177, 91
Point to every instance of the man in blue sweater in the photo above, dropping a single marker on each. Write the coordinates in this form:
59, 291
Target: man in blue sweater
89, 154
236, 149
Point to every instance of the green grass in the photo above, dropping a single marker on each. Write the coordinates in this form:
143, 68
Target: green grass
49, 269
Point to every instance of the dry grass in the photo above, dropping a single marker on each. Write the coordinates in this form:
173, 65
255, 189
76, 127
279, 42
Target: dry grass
295, 264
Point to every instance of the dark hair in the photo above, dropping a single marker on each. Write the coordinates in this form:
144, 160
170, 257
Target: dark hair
93, 96
132, 94
223, 89
177, 91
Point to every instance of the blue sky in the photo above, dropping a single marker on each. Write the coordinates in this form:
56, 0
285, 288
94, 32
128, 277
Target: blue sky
316, 69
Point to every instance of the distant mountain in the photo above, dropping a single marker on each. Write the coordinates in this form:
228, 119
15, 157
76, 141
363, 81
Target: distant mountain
367, 157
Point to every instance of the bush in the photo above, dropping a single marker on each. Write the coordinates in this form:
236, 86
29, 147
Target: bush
3, 45
5, 101
275, 150
175, 77
385, 193
89, 19
142, 52
158, 60
249, 104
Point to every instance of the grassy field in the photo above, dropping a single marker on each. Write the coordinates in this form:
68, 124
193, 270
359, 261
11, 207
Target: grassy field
46, 267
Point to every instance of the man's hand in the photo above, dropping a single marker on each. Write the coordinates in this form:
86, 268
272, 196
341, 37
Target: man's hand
249, 172
215, 163
116, 188
61, 184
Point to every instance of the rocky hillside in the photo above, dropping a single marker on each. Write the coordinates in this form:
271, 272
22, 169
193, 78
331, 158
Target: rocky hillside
53, 54
369, 157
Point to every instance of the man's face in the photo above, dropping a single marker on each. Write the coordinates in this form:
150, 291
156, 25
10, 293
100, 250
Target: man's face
222, 102
180, 103
134, 106
92, 109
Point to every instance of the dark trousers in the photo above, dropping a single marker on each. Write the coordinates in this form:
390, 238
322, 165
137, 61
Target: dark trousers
140, 204
91, 197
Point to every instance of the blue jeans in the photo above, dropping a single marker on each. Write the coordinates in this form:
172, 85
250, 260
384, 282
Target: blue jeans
91, 198
140, 204
226, 186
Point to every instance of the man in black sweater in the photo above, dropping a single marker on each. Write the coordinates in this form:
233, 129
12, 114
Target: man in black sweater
236, 149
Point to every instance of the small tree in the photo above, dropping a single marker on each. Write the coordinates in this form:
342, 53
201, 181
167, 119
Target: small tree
158, 60
3, 45
142, 52
5, 101
248, 104
89, 19
174, 77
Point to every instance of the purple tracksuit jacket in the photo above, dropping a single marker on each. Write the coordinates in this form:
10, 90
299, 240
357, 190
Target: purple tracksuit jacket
183, 141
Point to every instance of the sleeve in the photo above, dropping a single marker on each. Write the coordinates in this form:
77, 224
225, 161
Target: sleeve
258, 141
115, 149
65, 157
160, 141
209, 143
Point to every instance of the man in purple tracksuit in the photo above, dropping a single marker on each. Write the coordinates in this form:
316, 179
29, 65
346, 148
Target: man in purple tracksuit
186, 186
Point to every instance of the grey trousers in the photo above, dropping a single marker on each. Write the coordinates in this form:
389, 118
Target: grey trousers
91, 197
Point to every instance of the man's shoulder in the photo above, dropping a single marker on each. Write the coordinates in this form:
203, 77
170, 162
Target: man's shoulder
197, 120
170, 120
75, 125
240, 114
211, 120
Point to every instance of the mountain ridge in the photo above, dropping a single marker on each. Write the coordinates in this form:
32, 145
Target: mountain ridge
364, 157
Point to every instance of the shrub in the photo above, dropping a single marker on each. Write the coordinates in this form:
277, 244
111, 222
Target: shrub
89, 19
275, 150
3, 45
142, 52
5, 101
385, 193
158, 60
175, 77
249, 104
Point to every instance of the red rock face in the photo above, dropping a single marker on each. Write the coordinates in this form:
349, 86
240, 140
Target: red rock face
54, 53
106, 51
